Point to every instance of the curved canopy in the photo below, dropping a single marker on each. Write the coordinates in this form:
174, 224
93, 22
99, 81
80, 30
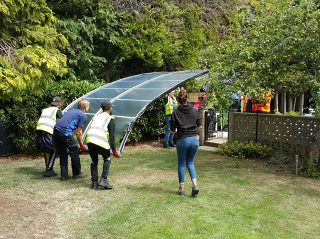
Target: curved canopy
131, 96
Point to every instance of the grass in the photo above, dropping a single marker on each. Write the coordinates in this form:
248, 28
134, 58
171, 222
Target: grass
238, 199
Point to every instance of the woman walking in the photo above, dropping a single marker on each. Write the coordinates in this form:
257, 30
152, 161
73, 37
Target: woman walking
185, 120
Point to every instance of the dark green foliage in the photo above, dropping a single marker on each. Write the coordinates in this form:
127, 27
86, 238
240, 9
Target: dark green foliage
281, 161
57, 47
24, 122
25, 114
151, 124
245, 150
164, 37
91, 28
70, 90
284, 162
310, 170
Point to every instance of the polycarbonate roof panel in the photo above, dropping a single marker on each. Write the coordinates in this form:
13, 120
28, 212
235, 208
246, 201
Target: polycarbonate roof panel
124, 84
143, 94
95, 104
107, 93
131, 96
128, 108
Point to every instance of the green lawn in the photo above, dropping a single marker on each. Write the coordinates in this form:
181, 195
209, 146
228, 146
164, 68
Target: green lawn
238, 199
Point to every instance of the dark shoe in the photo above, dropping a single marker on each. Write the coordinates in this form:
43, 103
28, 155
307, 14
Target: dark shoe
49, 173
78, 176
105, 184
172, 145
195, 191
180, 193
94, 185
166, 146
64, 178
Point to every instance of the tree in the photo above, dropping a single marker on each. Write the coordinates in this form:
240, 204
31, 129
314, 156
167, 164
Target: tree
164, 37
29, 48
274, 47
91, 28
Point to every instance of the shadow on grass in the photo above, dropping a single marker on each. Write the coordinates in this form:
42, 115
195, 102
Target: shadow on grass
37, 174
32, 172
152, 189
161, 192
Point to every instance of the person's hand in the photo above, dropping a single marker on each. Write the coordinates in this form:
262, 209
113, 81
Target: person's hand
83, 147
116, 154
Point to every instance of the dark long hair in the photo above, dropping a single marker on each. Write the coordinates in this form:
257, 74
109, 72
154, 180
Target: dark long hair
182, 97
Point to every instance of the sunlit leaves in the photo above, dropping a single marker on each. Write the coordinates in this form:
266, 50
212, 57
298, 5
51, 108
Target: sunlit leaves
34, 59
276, 46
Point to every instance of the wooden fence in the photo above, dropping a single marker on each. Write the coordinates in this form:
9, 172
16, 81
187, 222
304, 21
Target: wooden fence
293, 135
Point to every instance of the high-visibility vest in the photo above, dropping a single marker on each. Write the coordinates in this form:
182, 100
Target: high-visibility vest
98, 133
171, 105
244, 103
262, 107
47, 120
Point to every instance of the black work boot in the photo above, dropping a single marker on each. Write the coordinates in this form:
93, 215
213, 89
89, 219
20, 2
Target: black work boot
49, 173
94, 185
195, 191
105, 184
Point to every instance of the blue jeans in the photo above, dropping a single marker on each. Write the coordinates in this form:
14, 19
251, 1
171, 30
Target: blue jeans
168, 136
186, 150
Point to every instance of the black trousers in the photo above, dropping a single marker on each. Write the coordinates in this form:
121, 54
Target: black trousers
63, 144
94, 151
45, 144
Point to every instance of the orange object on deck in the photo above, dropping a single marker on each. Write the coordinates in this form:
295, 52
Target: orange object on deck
262, 107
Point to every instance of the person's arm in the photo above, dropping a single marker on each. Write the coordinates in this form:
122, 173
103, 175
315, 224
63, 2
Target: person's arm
79, 131
111, 129
198, 119
79, 135
173, 123
59, 114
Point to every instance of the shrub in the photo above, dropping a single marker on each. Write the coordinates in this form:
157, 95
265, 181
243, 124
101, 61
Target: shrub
3, 116
25, 114
310, 168
245, 150
151, 124
292, 113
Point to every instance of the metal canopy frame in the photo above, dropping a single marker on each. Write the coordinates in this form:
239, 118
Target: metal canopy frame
131, 96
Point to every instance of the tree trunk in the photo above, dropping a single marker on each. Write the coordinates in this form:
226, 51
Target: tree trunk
276, 102
301, 103
290, 103
294, 103
284, 102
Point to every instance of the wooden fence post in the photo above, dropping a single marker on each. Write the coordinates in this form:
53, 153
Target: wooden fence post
202, 128
231, 124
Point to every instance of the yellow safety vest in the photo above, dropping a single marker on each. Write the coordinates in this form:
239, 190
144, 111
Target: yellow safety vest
47, 120
171, 105
98, 133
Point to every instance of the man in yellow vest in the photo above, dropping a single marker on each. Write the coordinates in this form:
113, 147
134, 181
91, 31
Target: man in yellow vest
100, 138
45, 125
170, 106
